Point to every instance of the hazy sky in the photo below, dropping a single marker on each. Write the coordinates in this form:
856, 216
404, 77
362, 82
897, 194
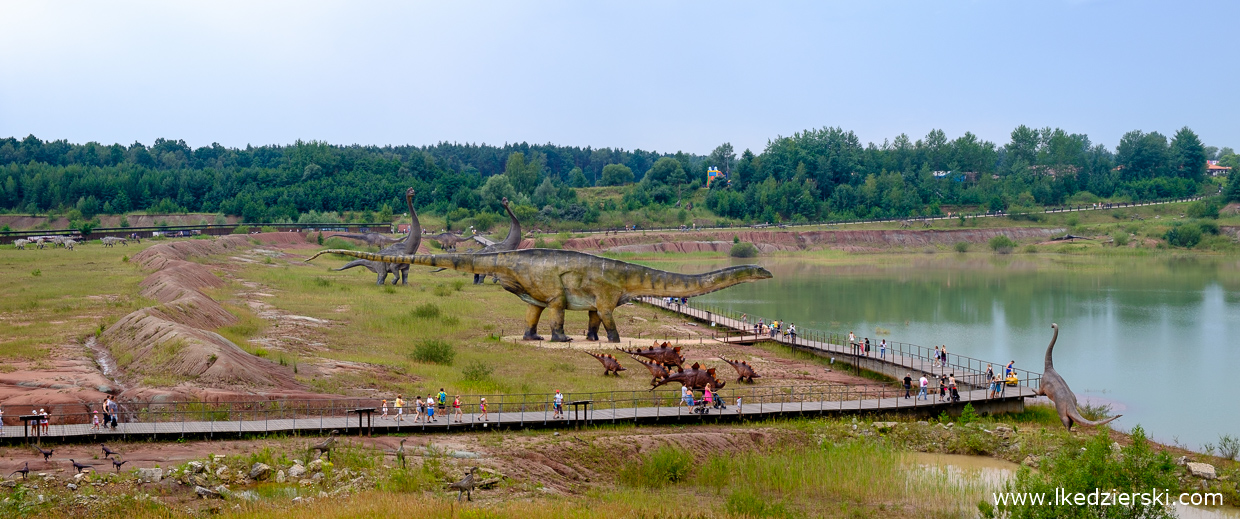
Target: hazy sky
660, 76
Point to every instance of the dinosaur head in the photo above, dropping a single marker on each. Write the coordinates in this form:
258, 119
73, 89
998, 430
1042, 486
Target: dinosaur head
409, 194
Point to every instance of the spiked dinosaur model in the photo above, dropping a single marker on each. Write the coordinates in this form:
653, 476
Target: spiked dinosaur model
744, 371
695, 378
657, 371
610, 364
562, 280
399, 271
661, 354
1055, 388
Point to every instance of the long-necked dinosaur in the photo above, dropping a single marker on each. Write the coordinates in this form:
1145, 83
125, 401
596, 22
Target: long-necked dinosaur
1055, 388
657, 371
372, 239
610, 364
562, 280
695, 377
510, 242
399, 271
448, 240
743, 370
663, 354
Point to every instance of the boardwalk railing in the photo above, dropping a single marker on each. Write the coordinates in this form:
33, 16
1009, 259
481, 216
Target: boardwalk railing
227, 419
729, 326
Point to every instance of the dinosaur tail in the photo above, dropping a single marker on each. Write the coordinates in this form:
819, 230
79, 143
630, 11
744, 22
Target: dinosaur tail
1077, 418
351, 264
476, 264
1050, 364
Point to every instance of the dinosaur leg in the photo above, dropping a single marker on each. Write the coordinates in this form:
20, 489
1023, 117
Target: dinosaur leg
613, 335
531, 318
479, 278
592, 331
382, 277
557, 320
404, 276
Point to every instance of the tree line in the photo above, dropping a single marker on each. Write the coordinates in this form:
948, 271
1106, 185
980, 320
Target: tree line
812, 175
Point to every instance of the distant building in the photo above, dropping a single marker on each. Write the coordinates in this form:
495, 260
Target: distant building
1216, 170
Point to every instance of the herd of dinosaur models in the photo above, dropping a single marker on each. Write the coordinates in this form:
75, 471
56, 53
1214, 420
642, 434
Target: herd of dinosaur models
659, 359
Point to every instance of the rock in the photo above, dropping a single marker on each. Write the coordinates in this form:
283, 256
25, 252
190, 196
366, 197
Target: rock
195, 467
1004, 428
221, 471
279, 476
1201, 470
297, 470
923, 422
246, 495
8, 483
306, 482
297, 462
1116, 449
315, 465
322, 494
206, 492
197, 480
1030, 461
884, 426
218, 458
72, 486
1181, 461
464, 454
260, 471
150, 475
318, 476
78, 477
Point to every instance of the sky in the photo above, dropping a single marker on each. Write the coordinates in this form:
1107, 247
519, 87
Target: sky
664, 76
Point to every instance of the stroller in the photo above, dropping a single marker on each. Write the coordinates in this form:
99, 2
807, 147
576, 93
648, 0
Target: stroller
955, 395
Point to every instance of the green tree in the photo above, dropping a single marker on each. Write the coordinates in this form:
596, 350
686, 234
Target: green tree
616, 175
723, 157
1232, 193
1142, 155
496, 189
522, 174
665, 171
577, 178
545, 194
1188, 155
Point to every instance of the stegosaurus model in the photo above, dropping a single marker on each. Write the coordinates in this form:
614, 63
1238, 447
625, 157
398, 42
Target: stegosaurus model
610, 364
695, 378
662, 354
559, 280
1055, 388
743, 369
657, 371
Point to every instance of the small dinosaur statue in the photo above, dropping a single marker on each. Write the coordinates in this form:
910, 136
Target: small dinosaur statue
695, 377
743, 369
107, 453
399, 272
23, 471
610, 364
1055, 388
562, 280
325, 446
465, 485
657, 371
117, 464
662, 354
47, 454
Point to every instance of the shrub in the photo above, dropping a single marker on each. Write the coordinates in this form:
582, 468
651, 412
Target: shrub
426, 311
962, 246
245, 229
666, 465
1120, 238
1208, 227
477, 371
1002, 244
442, 290
1187, 235
968, 415
736, 239
434, 351
1031, 249
743, 250
1203, 209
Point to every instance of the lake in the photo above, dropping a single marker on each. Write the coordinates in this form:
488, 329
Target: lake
1157, 338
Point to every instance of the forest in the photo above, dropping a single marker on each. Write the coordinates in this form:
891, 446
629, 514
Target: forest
817, 174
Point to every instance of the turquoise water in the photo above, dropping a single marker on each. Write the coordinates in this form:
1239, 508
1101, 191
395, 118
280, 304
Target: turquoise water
1158, 339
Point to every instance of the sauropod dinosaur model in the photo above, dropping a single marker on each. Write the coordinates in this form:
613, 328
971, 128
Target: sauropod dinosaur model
662, 354
111, 241
562, 280
69, 244
465, 486
657, 371
372, 239
1055, 388
695, 377
448, 240
510, 242
743, 369
21, 244
610, 364
399, 272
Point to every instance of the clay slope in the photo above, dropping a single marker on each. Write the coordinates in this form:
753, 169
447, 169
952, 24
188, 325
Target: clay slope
172, 343
768, 241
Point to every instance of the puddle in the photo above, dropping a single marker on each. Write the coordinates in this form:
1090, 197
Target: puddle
991, 473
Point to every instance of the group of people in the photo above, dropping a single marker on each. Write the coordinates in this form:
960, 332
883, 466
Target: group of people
863, 348
774, 329
709, 399
109, 419
947, 391
425, 410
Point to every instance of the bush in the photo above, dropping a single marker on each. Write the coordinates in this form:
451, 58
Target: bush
1187, 235
962, 246
434, 351
1120, 238
241, 229
1002, 244
1203, 209
477, 371
666, 465
968, 415
743, 250
443, 290
1208, 227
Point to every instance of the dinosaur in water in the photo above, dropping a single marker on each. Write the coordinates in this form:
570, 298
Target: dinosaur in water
695, 378
743, 369
657, 371
562, 280
399, 271
372, 239
610, 364
661, 354
1055, 388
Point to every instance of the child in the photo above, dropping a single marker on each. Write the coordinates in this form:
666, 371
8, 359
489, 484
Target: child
384, 415
739, 412
430, 408
707, 398
482, 407
456, 409
94, 425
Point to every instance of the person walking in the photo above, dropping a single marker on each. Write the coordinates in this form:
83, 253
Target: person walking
114, 409
936, 357
443, 402
94, 424
852, 341
400, 408
943, 354
106, 418
558, 405
792, 331
882, 349
924, 383
867, 346
686, 395
739, 412
482, 408
456, 409
383, 408
942, 388
908, 384
707, 399
951, 388
45, 422
430, 408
